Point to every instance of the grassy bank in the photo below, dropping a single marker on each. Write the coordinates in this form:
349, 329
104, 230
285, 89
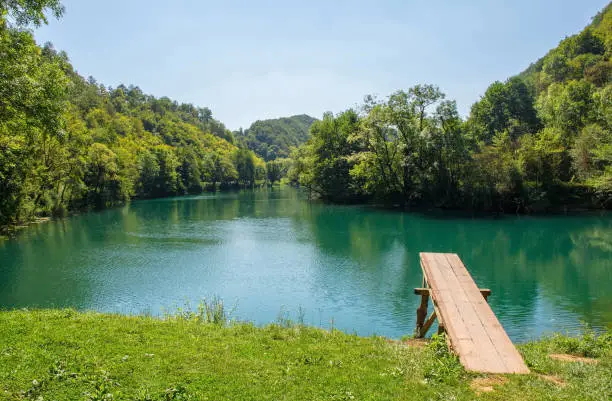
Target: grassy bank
67, 355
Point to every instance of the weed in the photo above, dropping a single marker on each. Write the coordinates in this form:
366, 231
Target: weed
176, 393
143, 395
35, 390
342, 396
301, 316
443, 366
283, 318
588, 344
103, 388
208, 311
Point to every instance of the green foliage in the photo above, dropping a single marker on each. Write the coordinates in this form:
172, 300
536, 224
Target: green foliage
68, 143
30, 12
330, 148
277, 169
538, 141
211, 311
541, 157
443, 366
31, 124
592, 159
567, 106
271, 139
589, 344
245, 166
504, 107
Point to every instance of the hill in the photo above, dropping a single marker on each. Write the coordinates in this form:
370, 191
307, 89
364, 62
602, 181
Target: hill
271, 139
540, 141
582, 56
557, 114
70, 143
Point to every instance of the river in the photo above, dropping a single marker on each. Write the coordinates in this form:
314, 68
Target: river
271, 254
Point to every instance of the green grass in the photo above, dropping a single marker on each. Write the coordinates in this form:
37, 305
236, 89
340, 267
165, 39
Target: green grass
67, 355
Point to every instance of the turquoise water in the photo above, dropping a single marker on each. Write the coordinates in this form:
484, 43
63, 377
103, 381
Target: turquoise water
271, 254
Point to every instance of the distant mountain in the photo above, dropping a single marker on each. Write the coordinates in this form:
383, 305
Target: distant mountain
271, 139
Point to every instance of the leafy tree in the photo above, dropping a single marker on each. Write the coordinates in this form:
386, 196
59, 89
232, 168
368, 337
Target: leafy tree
592, 153
245, 166
567, 106
277, 169
30, 12
102, 177
70, 143
504, 105
330, 149
541, 157
424, 96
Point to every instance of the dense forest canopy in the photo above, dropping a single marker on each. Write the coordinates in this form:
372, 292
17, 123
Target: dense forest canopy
272, 139
69, 143
540, 140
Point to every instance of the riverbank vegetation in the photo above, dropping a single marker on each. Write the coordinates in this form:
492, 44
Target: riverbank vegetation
540, 140
69, 143
64, 354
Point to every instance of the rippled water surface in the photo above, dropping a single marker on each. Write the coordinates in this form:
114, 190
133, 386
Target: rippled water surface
272, 253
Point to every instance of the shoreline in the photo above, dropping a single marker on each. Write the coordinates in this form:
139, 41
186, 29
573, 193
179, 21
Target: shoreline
8, 231
64, 354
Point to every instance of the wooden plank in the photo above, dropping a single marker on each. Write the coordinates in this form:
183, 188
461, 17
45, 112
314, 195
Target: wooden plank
446, 310
504, 346
507, 351
486, 358
473, 329
480, 348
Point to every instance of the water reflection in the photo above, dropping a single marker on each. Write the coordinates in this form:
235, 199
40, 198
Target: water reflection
546, 273
272, 249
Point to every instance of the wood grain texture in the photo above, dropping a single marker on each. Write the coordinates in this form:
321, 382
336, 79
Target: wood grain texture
474, 331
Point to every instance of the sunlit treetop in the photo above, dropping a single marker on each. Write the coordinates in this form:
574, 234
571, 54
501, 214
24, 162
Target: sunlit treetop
30, 12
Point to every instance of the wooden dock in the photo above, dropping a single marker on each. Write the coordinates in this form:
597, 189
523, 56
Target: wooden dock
472, 329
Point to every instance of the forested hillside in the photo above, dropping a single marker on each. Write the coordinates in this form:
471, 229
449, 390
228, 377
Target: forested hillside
67, 143
272, 139
538, 141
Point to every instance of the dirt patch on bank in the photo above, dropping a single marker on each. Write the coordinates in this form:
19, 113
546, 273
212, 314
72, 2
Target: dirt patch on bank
487, 384
416, 342
410, 342
554, 379
572, 358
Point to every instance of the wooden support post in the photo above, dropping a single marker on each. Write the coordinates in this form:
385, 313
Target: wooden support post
422, 325
427, 325
485, 293
422, 313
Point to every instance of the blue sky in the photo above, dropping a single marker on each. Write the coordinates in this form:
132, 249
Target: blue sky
250, 60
